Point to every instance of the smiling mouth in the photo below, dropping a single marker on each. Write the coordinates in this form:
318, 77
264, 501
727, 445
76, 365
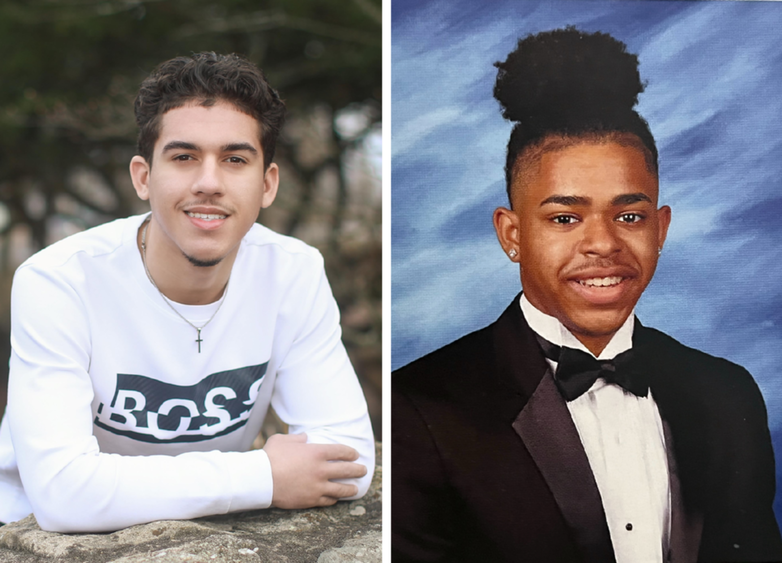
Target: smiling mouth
610, 281
205, 216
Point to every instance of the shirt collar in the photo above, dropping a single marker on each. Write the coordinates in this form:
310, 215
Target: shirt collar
555, 332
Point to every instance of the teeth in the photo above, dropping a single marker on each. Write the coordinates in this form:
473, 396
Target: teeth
601, 282
205, 216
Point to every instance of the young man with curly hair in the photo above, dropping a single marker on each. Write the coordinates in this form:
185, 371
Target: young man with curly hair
147, 351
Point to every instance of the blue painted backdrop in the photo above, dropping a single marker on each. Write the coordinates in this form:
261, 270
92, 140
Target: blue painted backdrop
714, 104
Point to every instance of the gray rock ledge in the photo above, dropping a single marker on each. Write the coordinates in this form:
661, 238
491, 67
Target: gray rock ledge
345, 532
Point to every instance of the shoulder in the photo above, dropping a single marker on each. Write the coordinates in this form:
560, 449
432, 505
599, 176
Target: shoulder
68, 258
498, 363
281, 269
437, 397
446, 370
659, 343
286, 275
262, 240
94, 242
694, 373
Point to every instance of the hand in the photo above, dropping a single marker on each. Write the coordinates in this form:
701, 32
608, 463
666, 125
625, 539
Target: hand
302, 472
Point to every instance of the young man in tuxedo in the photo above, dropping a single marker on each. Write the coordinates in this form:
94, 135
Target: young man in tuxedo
566, 430
147, 351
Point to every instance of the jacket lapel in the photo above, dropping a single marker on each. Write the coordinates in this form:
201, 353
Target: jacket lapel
552, 440
686, 525
549, 435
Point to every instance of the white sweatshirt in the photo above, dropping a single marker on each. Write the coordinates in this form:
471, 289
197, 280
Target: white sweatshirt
114, 418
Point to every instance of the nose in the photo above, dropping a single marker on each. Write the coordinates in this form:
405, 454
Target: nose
600, 237
208, 181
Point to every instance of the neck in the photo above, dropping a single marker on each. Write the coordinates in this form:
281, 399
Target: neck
176, 277
595, 344
564, 333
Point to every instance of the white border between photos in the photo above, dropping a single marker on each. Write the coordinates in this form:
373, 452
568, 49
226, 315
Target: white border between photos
386, 265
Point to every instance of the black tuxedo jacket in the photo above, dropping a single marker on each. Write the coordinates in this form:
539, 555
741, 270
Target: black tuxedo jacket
487, 464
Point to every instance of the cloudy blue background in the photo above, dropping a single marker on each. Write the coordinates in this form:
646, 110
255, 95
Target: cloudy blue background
714, 104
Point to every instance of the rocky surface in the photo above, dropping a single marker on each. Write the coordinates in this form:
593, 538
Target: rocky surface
345, 532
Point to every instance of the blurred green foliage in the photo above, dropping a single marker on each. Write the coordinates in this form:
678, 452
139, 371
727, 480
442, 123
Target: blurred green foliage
71, 69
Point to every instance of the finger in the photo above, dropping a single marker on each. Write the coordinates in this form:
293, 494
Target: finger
340, 490
344, 470
286, 438
337, 452
327, 501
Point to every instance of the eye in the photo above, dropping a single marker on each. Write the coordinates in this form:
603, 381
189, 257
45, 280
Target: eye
564, 219
182, 157
630, 217
236, 160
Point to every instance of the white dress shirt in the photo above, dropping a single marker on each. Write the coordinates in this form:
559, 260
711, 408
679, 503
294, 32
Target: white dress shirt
624, 441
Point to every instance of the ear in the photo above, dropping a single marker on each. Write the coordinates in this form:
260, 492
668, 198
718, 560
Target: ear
663, 222
139, 175
271, 181
506, 224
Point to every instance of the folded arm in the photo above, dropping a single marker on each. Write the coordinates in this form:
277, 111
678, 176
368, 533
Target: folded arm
74, 487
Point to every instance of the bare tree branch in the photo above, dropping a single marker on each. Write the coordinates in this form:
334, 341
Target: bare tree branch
264, 21
371, 10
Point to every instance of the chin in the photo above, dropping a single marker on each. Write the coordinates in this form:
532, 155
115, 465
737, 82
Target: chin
598, 325
200, 262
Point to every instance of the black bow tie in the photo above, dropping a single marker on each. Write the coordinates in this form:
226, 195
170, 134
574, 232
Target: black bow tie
577, 371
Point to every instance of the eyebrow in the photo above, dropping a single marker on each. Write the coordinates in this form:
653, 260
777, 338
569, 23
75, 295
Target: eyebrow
231, 147
571, 200
629, 199
566, 200
235, 147
180, 145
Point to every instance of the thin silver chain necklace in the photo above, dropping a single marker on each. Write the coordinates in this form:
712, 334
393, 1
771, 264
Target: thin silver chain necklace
167, 300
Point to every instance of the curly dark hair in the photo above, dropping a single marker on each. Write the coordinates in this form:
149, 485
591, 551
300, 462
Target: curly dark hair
205, 79
573, 85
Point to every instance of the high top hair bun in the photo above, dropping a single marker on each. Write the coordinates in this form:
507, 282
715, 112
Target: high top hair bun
570, 83
565, 74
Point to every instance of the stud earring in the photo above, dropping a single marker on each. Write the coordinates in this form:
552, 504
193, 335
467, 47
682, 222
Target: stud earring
659, 251
512, 253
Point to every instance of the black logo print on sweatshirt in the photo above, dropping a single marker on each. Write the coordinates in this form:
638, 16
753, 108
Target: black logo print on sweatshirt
149, 410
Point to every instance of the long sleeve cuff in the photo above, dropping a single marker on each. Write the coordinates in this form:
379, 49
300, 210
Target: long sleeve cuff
251, 481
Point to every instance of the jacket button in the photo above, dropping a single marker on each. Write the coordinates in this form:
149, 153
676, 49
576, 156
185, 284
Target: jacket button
629, 527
